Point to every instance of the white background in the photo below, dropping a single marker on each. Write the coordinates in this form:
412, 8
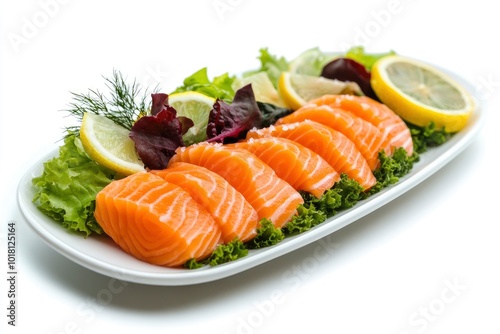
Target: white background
390, 272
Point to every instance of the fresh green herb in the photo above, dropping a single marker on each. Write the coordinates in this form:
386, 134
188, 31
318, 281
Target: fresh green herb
428, 136
220, 87
68, 186
392, 168
123, 104
358, 54
350, 192
308, 216
272, 65
228, 252
328, 203
267, 235
223, 253
193, 264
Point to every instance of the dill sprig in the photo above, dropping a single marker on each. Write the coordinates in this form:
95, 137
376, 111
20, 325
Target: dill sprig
123, 104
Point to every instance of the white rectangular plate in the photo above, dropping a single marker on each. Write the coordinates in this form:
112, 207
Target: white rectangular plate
101, 254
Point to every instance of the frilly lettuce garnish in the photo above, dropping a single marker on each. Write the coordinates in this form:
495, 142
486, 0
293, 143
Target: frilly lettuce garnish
67, 188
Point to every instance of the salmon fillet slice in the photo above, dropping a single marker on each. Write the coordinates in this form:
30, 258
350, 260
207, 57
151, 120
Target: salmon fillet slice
397, 132
156, 221
302, 168
232, 212
366, 136
269, 195
338, 150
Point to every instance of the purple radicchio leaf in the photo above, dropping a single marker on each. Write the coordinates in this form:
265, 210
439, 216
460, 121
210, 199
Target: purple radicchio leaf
158, 135
230, 122
345, 69
160, 102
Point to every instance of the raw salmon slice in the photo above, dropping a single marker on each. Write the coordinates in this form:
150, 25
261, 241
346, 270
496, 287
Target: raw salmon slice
270, 196
302, 168
235, 216
338, 150
397, 132
366, 136
156, 221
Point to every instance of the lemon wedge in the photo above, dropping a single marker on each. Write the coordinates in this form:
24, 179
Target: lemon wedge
109, 144
420, 93
262, 87
195, 106
297, 89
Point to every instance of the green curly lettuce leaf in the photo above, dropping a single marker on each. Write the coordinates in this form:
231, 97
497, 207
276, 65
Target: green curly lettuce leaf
350, 191
392, 168
267, 235
308, 216
427, 136
328, 203
67, 188
359, 54
272, 65
228, 252
219, 87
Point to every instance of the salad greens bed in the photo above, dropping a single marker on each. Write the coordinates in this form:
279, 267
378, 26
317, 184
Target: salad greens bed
69, 183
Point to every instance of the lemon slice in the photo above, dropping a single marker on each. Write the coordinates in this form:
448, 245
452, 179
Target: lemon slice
297, 89
420, 93
195, 106
109, 144
262, 88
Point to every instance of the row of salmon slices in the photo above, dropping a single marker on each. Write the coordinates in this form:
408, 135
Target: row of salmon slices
212, 193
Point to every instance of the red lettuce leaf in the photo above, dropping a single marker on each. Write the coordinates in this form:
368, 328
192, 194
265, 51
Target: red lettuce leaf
230, 122
159, 102
345, 69
158, 135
